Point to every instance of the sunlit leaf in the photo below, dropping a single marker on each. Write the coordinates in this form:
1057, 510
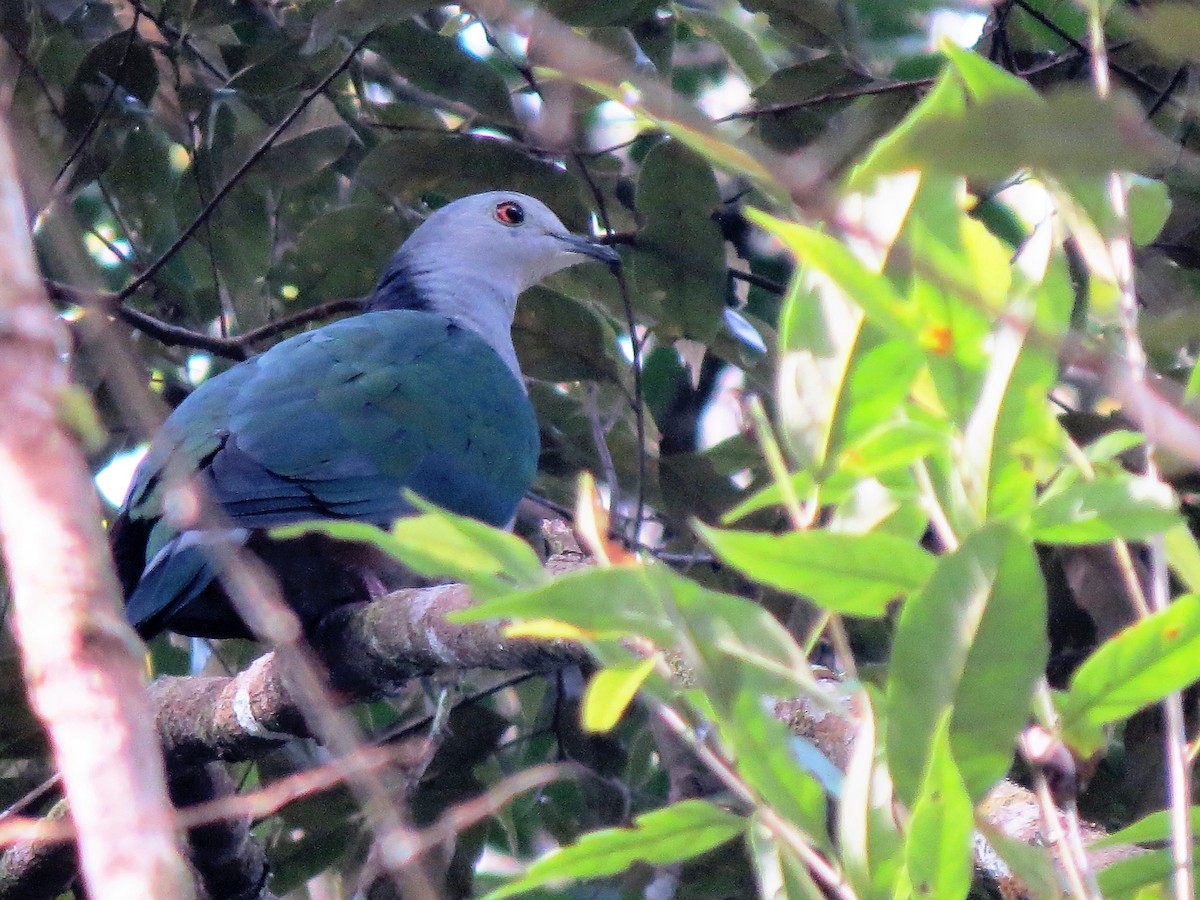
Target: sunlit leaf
1089, 512
1151, 828
1123, 878
1138, 666
937, 850
610, 692
441, 544
857, 574
982, 617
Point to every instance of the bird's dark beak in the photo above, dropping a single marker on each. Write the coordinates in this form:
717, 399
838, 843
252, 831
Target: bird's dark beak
587, 247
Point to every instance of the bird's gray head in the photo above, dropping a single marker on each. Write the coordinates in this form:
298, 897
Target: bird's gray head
510, 240
472, 258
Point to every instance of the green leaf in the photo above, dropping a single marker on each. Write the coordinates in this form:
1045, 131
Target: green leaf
621, 599
1119, 506
355, 18
780, 872
610, 692
1170, 28
1123, 878
742, 47
441, 66
798, 122
937, 850
439, 544
587, 13
678, 267
1138, 666
332, 259
894, 445
771, 495
817, 23
415, 164
855, 574
837, 379
1072, 133
870, 290
1033, 865
1146, 830
1108, 447
560, 339
1183, 556
868, 836
664, 836
982, 79
973, 641
1149, 208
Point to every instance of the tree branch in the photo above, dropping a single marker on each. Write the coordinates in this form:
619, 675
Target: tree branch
236, 348
370, 649
81, 659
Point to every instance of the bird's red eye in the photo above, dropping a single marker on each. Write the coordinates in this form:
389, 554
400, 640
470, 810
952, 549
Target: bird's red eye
510, 213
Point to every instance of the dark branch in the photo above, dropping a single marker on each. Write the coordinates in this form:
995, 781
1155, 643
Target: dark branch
1042, 19
831, 97
759, 281
173, 33
235, 348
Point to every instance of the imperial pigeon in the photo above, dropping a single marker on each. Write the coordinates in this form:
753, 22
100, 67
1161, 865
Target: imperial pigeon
420, 392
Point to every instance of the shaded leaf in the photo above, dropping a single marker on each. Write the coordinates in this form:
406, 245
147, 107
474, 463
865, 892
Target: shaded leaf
414, 164
560, 339
441, 66
679, 266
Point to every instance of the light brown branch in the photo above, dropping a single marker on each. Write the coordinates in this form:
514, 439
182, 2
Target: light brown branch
81, 660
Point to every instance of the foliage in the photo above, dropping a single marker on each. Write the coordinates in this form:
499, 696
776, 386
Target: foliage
927, 243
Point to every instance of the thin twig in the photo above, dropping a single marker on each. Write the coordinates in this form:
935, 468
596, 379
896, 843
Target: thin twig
1161, 100
759, 281
1097, 52
1120, 248
90, 130
236, 178
633, 538
236, 348
28, 66
781, 829
170, 31
869, 90
1057, 836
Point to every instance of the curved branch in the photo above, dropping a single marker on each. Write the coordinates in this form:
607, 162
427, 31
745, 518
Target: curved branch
236, 348
370, 649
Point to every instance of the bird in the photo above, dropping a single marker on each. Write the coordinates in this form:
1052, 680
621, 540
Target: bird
419, 392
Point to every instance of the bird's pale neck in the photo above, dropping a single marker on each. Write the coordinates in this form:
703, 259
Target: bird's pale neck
465, 297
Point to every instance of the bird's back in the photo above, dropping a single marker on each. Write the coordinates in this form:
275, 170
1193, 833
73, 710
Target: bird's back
333, 423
